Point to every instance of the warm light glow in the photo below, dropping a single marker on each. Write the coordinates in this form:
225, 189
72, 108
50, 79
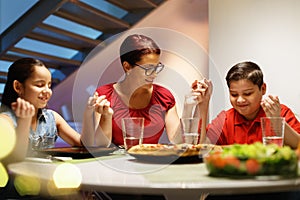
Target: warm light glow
54, 191
8, 138
67, 175
3, 176
27, 185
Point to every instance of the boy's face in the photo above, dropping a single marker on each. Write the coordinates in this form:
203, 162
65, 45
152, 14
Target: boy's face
245, 97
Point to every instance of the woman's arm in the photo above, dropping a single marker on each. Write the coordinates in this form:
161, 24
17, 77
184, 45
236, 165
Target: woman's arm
98, 120
172, 123
203, 90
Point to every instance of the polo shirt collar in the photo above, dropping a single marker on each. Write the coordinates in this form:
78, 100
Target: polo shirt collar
239, 119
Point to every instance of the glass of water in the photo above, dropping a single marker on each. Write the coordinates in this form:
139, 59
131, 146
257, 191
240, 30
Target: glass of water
190, 130
273, 130
48, 141
133, 131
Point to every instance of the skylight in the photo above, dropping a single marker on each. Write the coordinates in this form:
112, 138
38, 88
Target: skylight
46, 48
106, 7
10, 11
72, 27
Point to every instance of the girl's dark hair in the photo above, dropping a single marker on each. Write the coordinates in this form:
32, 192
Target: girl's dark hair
245, 70
135, 46
20, 70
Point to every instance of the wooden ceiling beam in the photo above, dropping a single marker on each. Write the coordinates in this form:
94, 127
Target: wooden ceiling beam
27, 22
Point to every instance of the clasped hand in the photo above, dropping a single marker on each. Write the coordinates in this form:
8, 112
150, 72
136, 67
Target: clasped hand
203, 90
22, 108
100, 104
271, 106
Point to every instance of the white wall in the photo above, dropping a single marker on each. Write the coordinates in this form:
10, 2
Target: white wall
263, 31
181, 30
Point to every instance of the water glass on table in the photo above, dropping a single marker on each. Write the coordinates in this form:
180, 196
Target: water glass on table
273, 130
48, 141
190, 130
133, 131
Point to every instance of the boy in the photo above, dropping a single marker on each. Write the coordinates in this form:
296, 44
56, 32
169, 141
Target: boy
241, 124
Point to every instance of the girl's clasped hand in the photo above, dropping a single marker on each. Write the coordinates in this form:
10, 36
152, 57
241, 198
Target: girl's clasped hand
22, 108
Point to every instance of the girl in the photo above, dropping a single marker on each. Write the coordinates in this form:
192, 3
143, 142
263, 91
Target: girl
26, 93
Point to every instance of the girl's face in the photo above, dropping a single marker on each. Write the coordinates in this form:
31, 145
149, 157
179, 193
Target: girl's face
148, 60
37, 88
245, 97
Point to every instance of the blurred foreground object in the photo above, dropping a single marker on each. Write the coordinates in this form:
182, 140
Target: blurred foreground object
7, 138
246, 160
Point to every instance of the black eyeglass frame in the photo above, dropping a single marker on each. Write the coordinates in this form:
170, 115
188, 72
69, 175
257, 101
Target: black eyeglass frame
157, 69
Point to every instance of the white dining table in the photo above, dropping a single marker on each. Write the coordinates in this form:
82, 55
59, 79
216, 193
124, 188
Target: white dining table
125, 174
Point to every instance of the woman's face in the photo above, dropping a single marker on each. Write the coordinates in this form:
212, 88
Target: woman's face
139, 73
37, 88
245, 97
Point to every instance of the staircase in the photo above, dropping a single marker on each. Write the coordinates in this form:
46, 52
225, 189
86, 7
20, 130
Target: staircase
33, 26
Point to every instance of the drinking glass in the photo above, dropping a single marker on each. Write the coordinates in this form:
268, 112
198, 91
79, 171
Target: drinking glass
48, 141
133, 131
190, 130
273, 130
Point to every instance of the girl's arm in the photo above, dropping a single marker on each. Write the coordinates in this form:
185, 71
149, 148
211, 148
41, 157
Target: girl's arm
66, 132
96, 127
24, 112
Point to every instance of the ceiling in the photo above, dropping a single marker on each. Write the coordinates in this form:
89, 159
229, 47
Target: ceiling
61, 33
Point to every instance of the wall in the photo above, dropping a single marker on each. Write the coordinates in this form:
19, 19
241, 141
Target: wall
181, 30
264, 31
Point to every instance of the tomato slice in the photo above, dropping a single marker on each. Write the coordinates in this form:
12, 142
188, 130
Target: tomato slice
252, 166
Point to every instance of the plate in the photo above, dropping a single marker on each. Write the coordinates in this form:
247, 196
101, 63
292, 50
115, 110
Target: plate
170, 153
77, 152
167, 159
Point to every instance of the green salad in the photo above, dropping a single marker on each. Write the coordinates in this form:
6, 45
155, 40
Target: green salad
252, 160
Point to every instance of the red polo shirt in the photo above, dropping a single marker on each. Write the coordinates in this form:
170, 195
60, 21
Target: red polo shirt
230, 127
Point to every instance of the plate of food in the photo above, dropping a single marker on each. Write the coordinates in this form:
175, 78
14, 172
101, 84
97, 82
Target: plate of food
77, 152
170, 153
252, 161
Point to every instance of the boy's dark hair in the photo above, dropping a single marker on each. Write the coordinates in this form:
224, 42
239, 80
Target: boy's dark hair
245, 70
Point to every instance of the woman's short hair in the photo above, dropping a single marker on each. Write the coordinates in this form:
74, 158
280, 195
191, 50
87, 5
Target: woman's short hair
135, 46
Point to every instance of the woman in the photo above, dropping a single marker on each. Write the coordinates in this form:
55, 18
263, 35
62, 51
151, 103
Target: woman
26, 94
137, 96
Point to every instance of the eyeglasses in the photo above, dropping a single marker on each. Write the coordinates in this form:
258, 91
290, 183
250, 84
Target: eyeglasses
150, 68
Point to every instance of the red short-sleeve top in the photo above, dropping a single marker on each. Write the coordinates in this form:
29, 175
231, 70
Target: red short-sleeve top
230, 127
161, 101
